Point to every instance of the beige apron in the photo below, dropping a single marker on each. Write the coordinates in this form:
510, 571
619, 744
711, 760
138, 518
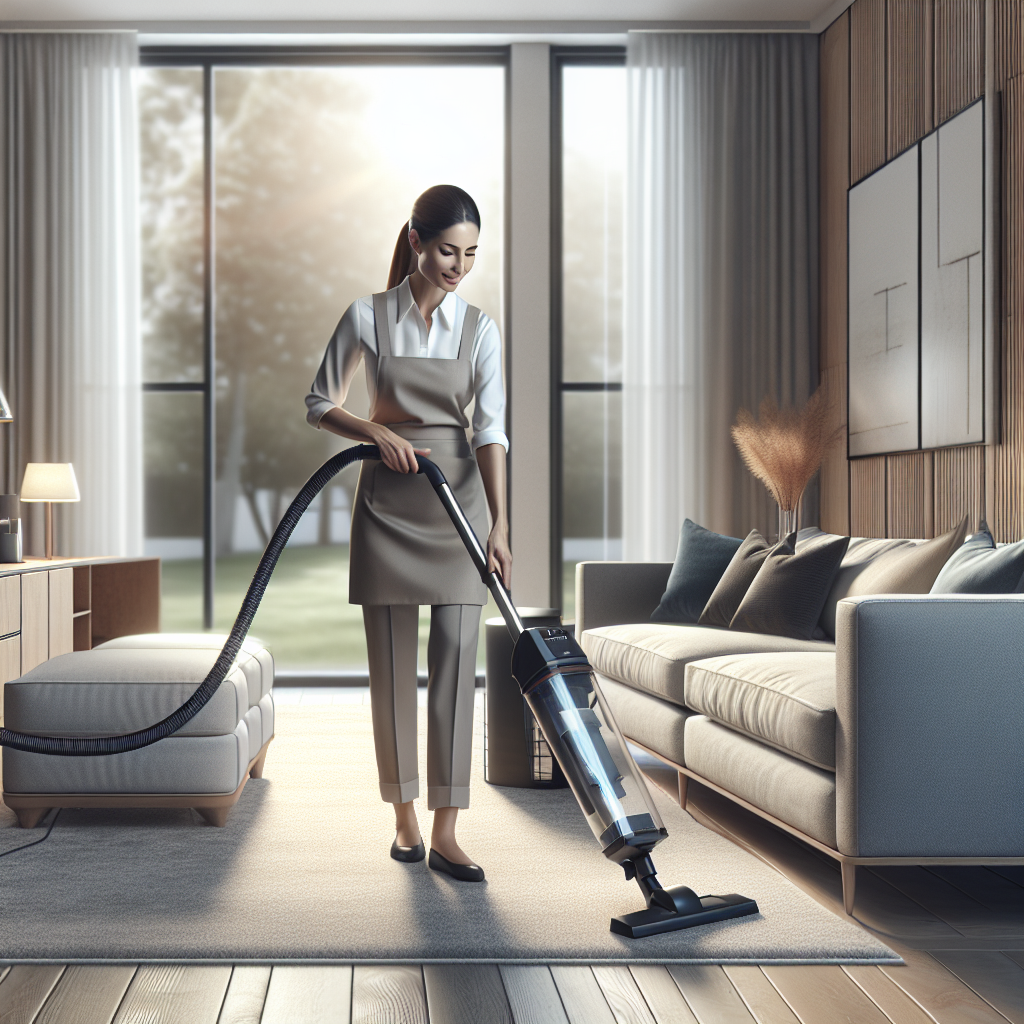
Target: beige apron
404, 548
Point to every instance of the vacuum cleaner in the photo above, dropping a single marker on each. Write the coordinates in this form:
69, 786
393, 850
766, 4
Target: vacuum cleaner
557, 683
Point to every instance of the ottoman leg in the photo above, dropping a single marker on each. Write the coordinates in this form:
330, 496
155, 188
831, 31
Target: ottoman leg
256, 771
214, 815
29, 817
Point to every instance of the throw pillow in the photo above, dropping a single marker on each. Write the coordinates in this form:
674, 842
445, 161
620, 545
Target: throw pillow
738, 576
789, 591
979, 567
701, 559
897, 570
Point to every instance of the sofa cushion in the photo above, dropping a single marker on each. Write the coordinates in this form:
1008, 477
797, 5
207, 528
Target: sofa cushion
111, 692
701, 559
794, 792
648, 720
735, 581
787, 700
653, 656
789, 591
979, 567
254, 659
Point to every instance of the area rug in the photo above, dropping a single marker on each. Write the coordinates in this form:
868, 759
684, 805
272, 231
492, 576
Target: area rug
301, 873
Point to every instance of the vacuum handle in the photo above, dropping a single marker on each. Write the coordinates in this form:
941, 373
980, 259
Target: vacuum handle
476, 551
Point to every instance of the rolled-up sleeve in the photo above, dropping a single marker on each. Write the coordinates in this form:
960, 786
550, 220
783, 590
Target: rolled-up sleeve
489, 389
337, 368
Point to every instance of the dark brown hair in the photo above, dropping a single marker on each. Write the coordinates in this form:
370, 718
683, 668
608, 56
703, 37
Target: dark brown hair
438, 209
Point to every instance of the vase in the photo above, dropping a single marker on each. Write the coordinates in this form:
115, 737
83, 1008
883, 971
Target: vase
788, 521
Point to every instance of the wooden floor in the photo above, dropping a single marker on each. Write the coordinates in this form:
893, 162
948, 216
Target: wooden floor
960, 930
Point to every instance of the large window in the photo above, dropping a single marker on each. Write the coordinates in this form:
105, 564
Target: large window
273, 197
592, 116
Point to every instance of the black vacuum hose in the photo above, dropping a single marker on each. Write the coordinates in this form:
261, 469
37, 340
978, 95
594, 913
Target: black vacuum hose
66, 746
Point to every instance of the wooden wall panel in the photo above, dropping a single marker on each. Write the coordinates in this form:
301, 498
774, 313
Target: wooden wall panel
908, 493
835, 472
959, 487
908, 73
1008, 38
1006, 518
834, 67
959, 55
867, 87
867, 497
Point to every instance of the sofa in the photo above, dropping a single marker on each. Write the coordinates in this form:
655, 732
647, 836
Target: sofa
900, 742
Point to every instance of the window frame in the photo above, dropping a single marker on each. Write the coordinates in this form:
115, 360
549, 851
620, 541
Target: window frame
208, 59
562, 57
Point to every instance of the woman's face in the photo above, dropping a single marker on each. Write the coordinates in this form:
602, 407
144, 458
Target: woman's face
448, 257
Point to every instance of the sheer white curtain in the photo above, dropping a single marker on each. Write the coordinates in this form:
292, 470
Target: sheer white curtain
721, 271
69, 266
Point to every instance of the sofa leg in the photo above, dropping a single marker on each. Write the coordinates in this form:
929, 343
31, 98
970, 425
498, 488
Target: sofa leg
256, 771
214, 815
849, 872
684, 783
29, 817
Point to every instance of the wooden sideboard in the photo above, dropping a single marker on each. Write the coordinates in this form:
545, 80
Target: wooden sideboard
51, 606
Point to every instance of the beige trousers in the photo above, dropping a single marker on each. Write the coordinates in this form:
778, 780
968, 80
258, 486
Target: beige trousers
391, 641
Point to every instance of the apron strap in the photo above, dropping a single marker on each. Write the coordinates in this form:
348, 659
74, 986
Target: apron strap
382, 324
468, 332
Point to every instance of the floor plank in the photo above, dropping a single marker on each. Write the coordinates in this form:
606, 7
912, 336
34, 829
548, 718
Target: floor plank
247, 992
465, 994
887, 996
627, 1002
760, 995
87, 995
174, 993
988, 888
532, 995
388, 994
24, 989
710, 994
662, 995
824, 994
939, 991
308, 995
996, 978
954, 907
582, 997
1016, 955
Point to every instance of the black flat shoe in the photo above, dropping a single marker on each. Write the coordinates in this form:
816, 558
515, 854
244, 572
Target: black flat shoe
407, 854
463, 872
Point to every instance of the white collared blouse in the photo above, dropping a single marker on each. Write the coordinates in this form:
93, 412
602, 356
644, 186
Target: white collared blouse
355, 337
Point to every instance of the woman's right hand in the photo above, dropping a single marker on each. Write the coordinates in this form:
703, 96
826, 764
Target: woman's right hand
396, 452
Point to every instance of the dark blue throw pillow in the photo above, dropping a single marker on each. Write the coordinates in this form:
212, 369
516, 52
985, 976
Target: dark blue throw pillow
979, 567
700, 561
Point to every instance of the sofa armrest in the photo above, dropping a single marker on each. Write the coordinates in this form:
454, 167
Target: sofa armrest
609, 593
929, 726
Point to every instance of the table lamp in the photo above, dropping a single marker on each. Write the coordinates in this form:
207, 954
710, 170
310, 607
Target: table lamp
49, 482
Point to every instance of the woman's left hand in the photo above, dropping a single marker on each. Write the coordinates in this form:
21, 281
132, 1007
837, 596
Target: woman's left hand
499, 555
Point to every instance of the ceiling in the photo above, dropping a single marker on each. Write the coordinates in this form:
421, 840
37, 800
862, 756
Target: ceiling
515, 17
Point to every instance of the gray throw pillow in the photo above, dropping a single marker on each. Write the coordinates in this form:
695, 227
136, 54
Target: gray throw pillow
979, 567
910, 569
789, 591
701, 559
738, 576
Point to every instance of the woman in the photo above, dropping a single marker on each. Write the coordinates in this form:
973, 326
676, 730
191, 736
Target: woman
428, 355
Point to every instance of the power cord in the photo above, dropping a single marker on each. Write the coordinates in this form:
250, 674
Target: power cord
35, 842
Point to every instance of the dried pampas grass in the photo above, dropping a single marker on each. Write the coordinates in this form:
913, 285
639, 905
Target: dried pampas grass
785, 447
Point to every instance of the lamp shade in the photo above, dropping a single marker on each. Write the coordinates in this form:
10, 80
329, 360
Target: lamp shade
50, 481
6, 416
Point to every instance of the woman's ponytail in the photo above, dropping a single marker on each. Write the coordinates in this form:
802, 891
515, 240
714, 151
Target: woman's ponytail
402, 261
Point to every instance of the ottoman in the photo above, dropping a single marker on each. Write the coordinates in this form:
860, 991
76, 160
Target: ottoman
125, 685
